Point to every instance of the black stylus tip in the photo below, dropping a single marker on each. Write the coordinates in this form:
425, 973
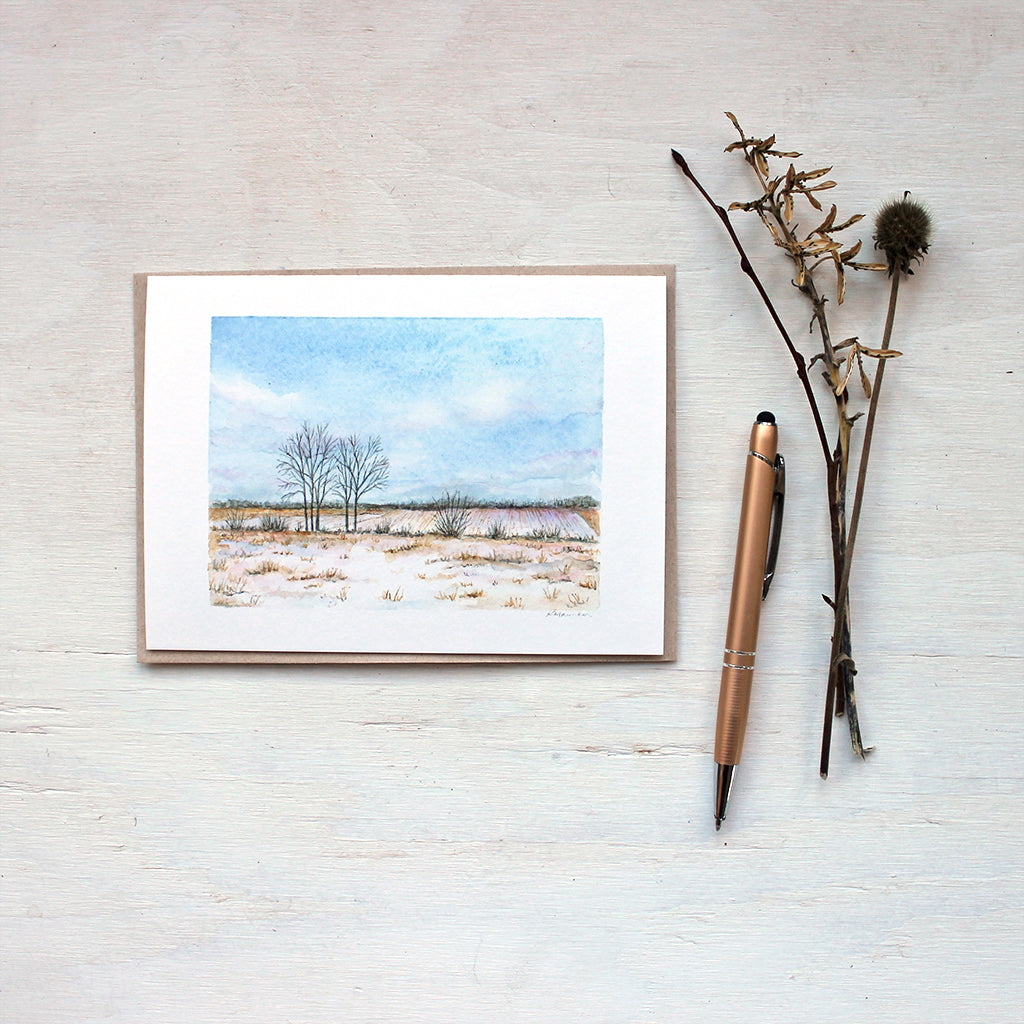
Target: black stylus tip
765, 417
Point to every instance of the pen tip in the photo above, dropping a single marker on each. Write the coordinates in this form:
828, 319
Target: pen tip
718, 824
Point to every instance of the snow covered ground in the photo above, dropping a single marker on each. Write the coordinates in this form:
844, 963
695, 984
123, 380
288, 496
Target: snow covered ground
252, 567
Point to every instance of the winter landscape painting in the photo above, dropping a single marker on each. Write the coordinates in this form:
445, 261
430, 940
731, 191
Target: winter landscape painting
406, 461
398, 465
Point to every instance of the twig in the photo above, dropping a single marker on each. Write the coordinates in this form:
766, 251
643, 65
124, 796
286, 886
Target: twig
748, 269
851, 539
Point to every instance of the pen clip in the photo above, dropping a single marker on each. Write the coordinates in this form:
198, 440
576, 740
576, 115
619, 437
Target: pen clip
775, 534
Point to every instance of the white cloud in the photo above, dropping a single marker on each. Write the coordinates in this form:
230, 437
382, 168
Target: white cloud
555, 474
237, 391
492, 401
424, 414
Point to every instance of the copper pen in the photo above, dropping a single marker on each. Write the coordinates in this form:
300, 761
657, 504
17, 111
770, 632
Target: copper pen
757, 548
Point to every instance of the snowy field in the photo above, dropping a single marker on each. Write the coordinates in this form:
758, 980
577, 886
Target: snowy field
531, 559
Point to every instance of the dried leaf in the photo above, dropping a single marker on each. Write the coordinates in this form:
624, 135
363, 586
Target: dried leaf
851, 252
826, 223
870, 266
865, 383
840, 387
846, 223
771, 227
787, 210
810, 175
817, 246
880, 353
844, 344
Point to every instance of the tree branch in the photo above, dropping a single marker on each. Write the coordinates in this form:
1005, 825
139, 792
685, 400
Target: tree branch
747, 268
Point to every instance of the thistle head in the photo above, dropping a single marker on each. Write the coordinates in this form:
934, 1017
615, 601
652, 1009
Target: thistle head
903, 231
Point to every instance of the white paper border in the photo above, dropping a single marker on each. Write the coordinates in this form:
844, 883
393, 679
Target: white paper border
630, 620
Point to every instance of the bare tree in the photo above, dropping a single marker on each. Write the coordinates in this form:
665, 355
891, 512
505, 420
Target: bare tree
361, 467
344, 472
306, 466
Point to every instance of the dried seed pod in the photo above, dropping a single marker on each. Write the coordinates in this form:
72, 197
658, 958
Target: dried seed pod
903, 231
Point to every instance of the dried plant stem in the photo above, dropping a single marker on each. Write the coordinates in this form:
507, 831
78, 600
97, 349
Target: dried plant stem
842, 668
843, 590
775, 210
840, 697
747, 268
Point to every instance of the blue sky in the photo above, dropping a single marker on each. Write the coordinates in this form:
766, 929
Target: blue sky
495, 408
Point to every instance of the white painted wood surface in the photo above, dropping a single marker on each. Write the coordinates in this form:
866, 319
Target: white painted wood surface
495, 844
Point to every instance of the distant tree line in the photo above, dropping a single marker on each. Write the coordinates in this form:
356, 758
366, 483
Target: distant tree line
315, 465
577, 501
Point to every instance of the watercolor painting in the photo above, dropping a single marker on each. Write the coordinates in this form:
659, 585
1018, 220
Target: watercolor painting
406, 463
